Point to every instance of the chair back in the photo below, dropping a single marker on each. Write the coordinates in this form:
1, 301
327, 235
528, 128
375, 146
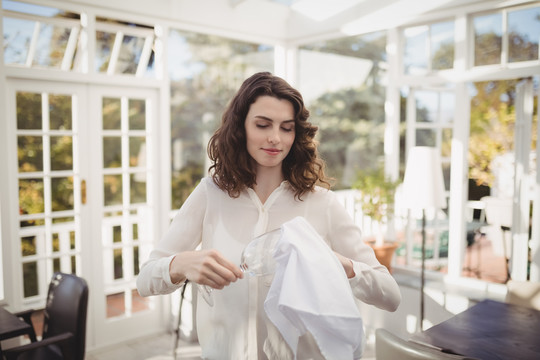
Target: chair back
523, 293
66, 310
391, 347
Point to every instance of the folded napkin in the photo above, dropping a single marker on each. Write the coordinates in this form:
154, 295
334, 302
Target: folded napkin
311, 292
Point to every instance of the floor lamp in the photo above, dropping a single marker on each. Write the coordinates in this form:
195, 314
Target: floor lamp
423, 189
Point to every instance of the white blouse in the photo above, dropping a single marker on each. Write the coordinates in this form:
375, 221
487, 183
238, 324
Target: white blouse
236, 327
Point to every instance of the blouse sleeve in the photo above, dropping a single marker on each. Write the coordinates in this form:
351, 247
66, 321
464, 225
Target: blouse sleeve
184, 234
372, 283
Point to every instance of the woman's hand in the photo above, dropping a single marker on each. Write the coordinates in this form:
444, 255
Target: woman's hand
205, 267
347, 265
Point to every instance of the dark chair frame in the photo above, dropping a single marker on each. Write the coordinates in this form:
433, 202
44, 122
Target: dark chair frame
71, 344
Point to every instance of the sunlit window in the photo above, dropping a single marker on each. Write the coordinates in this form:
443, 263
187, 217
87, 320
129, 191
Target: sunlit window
521, 32
40, 40
429, 48
124, 49
487, 39
416, 50
524, 34
205, 71
45, 37
342, 83
442, 45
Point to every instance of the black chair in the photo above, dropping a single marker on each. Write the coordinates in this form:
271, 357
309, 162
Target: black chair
64, 323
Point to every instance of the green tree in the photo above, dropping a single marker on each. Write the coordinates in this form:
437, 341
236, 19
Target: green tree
351, 120
212, 71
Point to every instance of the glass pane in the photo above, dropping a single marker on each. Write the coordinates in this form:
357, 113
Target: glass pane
62, 194
130, 54
56, 264
30, 153
31, 196
446, 175
28, 246
60, 112
72, 240
138, 187
60, 220
112, 189
55, 243
17, 37
111, 114
118, 263
426, 137
442, 46
427, 106
523, 34
61, 153
135, 260
139, 303
448, 104
39, 10
73, 264
135, 230
104, 45
492, 134
416, 55
117, 234
112, 213
30, 277
487, 39
137, 151
51, 45
341, 81
112, 151
137, 114
446, 146
33, 222
204, 71
29, 111
116, 305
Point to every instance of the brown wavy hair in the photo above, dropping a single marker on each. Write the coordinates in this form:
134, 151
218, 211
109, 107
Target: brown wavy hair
233, 169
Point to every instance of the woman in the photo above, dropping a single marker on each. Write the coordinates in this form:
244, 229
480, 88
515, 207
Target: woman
266, 171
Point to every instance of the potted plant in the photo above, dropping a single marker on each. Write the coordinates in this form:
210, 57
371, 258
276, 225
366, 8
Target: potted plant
377, 194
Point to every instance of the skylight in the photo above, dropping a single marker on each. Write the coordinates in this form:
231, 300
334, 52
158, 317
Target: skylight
318, 10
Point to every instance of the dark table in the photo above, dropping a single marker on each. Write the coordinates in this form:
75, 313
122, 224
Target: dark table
488, 330
11, 326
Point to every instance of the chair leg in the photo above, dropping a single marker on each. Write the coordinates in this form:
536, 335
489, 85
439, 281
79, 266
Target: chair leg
506, 258
27, 318
479, 253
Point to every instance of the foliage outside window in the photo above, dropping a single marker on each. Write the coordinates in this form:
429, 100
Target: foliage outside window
44, 37
522, 35
342, 81
429, 48
378, 194
493, 118
524, 30
205, 71
492, 107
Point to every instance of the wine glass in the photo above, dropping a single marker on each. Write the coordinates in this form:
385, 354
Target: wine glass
257, 259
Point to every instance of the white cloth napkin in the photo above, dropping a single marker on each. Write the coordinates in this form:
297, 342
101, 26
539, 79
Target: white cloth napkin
311, 292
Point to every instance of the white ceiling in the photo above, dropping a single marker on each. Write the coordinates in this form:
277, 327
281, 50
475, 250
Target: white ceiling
277, 20
353, 16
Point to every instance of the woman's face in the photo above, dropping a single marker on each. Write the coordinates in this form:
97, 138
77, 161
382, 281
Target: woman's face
269, 131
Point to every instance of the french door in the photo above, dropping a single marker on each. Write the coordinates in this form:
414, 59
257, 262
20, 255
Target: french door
82, 181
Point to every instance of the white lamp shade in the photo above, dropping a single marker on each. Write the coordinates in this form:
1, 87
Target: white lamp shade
423, 185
